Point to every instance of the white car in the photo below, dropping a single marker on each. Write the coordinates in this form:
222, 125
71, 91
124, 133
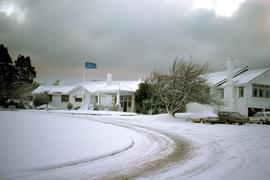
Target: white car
260, 118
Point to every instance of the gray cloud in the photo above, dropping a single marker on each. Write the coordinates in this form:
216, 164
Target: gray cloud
132, 38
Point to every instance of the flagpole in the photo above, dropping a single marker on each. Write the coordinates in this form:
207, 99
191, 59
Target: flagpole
87, 65
83, 98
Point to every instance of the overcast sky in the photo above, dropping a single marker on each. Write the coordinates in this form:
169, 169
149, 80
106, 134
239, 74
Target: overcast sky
131, 38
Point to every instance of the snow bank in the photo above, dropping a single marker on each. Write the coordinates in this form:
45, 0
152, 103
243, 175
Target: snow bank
46, 106
195, 110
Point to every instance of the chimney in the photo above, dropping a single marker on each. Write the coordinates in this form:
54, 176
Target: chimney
229, 90
230, 68
109, 79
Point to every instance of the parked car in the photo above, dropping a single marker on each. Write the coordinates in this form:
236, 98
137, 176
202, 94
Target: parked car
212, 120
196, 120
260, 118
232, 117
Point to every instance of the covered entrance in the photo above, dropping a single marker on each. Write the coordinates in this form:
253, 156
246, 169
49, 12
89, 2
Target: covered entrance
126, 103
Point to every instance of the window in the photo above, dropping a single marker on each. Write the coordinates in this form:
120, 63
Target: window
78, 99
96, 99
259, 114
65, 98
255, 92
267, 92
207, 91
222, 93
126, 100
261, 91
113, 100
241, 91
50, 98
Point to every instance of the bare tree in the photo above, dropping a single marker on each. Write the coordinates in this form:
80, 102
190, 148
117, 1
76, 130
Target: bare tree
185, 83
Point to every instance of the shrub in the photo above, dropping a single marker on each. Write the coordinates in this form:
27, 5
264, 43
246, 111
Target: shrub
69, 106
41, 99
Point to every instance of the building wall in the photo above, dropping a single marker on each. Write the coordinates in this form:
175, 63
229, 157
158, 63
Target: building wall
232, 101
248, 101
76, 93
106, 100
229, 98
241, 102
56, 101
256, 102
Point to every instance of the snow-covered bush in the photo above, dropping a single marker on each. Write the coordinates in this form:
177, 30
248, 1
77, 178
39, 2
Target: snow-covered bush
77, 107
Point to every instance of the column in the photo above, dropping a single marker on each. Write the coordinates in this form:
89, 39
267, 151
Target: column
133, 103
118, 104
99, 98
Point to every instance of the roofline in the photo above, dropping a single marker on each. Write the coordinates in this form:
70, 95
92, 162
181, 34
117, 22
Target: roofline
258, 76
73, 89
85, 89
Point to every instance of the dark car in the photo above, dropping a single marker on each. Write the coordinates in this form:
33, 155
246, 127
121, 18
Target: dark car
232, 117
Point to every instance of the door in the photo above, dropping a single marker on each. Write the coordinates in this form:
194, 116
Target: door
125, 106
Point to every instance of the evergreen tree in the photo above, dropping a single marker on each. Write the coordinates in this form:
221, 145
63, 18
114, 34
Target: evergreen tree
25, 72
16, 80
142, 94
147, 101
7, 72
4, 55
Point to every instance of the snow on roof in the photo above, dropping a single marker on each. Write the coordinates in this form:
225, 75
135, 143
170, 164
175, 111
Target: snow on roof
92, 87
218, 77
114, 86
215, 78
56, 89
248, 76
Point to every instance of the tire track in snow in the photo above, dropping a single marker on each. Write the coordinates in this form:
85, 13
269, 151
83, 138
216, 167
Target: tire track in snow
160, 162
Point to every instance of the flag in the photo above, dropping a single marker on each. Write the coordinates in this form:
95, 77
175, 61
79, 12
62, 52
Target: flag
90, 65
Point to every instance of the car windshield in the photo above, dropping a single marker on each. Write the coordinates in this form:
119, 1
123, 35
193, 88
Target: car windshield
236, 114
258, 114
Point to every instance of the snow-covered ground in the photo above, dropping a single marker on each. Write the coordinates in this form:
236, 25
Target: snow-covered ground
37, 140
57, 145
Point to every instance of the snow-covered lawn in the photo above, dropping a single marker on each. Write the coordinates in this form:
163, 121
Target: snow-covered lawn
38, 140
42, 145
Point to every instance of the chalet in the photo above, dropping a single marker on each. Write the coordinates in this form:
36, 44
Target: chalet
243, 90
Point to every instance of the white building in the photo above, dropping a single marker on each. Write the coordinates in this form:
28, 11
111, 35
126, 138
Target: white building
107, 95
242, 90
